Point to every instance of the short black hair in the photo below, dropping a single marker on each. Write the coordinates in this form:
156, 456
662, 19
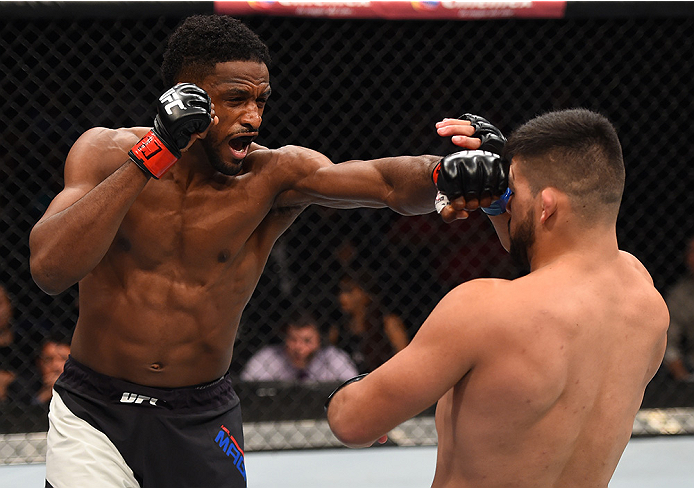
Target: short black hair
576, 151
202, 41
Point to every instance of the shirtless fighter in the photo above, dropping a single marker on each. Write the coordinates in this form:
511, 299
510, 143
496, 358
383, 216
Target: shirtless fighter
538, 379
167, 231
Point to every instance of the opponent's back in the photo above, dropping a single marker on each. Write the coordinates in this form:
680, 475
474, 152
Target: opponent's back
551, 399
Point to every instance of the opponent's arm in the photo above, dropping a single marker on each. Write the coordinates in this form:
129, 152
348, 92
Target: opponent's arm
475, 132
442, 352
101, 184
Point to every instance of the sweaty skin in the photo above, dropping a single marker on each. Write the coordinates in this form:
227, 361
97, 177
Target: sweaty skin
538, 380
165, 268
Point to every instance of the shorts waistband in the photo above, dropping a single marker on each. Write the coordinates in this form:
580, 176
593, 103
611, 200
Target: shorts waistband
84, 381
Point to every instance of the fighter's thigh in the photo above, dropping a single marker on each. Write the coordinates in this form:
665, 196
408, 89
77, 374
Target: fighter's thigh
80, 456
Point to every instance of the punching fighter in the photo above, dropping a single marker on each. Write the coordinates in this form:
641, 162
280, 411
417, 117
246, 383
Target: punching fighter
537, 379
167, 230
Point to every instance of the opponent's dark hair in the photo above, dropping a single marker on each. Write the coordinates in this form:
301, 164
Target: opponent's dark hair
202, 41
576, 151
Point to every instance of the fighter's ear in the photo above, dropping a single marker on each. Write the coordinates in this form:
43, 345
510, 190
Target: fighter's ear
550, 199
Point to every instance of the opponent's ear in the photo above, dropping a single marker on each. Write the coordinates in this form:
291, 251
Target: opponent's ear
549, 204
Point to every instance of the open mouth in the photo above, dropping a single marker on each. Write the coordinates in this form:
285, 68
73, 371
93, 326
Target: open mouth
239, 146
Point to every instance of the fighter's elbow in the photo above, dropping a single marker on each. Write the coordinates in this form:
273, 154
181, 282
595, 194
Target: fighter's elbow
350, 432
46, 277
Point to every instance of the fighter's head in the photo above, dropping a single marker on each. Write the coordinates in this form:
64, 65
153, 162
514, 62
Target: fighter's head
202, 41
573, 152
230, 62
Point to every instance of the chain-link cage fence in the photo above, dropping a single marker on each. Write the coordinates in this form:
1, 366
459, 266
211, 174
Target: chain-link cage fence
351, 89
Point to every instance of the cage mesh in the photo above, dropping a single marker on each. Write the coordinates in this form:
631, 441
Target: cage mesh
351, 89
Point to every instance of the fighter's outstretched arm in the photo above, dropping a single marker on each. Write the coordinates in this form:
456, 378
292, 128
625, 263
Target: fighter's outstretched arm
441, 353
403, 183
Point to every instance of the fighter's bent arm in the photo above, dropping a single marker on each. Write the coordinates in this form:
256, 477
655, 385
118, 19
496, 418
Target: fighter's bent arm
74, 234
441, 353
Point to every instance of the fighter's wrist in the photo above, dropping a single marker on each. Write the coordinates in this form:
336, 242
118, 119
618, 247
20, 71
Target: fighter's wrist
152, 155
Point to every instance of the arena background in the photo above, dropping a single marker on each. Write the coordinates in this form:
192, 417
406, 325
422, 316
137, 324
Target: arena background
352, 88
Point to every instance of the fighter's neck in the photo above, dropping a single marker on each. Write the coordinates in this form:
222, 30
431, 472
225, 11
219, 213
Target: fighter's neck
592, 246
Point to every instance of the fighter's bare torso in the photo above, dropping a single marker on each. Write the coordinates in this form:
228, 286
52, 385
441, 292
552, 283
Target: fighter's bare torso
163, 305
552, 397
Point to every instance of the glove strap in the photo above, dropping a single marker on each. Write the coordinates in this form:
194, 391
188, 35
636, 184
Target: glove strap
499, 206
436, 172
152, 155
349, 381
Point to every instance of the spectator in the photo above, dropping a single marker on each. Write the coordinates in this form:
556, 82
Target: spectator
301, 357
53, 353
12, 386
371, 335
679, 355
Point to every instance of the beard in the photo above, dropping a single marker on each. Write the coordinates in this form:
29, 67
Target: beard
216, 161
522, 239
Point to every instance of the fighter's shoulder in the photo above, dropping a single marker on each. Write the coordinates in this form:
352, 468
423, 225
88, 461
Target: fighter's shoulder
102, 148
292, 160
643, 293
634, 263
480, 298
107, 139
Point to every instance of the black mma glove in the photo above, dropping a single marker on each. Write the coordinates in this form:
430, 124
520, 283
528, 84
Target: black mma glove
182, 111
470, 174
492, 138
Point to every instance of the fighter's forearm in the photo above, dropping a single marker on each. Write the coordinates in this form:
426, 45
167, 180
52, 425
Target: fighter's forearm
500, 223
412, 191
67, 245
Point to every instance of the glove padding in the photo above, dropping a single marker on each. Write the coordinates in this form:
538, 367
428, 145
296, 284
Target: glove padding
472, 175
182, 111
492, 138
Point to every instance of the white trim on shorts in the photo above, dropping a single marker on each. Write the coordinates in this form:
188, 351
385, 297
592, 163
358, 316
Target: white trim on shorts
80, 456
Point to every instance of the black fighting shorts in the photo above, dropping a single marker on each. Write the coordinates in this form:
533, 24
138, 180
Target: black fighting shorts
108, 433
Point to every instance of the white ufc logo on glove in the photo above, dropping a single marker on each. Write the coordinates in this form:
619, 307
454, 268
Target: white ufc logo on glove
173, 100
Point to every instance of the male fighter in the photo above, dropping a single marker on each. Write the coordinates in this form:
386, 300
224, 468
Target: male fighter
538, 379
167, 231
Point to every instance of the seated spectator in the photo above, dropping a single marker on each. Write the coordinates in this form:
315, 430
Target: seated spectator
12, 386
300, 358
679, 355
371, 335
53, 353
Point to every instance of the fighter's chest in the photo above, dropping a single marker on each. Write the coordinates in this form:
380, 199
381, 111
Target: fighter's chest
191, 227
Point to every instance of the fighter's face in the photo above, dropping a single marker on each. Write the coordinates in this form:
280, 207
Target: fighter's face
239, 91
522, 222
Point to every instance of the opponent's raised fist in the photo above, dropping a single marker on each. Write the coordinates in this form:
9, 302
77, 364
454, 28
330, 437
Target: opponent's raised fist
471, 175
182, 111
491, 137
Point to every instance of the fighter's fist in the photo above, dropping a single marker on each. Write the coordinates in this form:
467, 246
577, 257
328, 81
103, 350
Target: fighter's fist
182, 111
491, 138
472, 175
